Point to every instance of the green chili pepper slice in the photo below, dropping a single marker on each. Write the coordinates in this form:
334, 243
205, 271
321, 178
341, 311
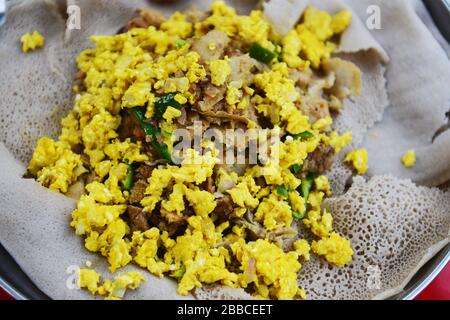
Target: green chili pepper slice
305, 189
299, 215
261, 54
139, 114
178, 274
162, 149
180, 43
303, 135
306, 185
128, 183
152, 131
296, 168
282, 191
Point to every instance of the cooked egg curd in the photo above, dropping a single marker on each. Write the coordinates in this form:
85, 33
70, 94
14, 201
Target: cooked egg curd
90, 279
409, 159
31, 42
359, 160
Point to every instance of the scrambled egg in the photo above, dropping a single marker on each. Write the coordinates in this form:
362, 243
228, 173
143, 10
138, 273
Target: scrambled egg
359, 160
335, 248
272, 271
171, 114
303, 249
220, 70
251, 28
133, 69
311, 38
323, 184
274, 212
138, 94
320, 224
338, 142
31, 42
90, 279
280, 90
177, 25
243, 194
190, 171
234, 92
409, 159
55, 165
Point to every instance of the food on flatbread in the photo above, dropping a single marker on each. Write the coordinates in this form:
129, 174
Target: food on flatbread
409, 159
359, 160
201, 221
31, 42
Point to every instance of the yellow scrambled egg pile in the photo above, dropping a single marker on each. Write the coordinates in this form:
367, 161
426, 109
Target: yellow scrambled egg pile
31, 42
55, 165
90, 279
312, 37
124, 71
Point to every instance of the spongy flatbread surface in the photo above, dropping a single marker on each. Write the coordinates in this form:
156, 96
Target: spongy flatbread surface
394, 227
359, 113
418, 78
35, 88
